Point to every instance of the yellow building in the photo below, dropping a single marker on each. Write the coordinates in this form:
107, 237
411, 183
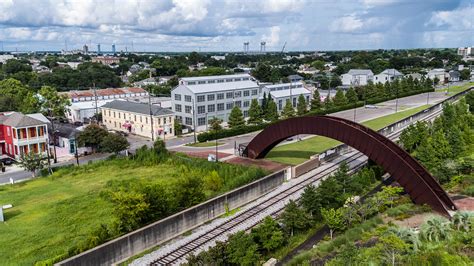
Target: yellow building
135, 118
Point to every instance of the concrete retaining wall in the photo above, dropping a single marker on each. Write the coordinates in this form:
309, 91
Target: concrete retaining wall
168, 228
305, 167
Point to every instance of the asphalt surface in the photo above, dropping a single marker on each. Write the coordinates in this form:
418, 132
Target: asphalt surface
177, 144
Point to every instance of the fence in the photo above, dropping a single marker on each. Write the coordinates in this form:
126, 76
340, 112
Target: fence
161, 231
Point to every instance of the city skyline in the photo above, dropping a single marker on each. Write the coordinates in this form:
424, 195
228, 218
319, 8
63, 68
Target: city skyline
206, 25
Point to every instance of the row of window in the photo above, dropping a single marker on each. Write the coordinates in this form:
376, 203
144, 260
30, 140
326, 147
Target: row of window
140, 117
220, 96
201, 109
216, 81
201, 121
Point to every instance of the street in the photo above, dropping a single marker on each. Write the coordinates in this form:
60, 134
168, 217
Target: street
178, 144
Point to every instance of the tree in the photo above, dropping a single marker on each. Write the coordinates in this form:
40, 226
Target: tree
301, 108
392, 247
318, 64
351, 95
309, 201
294, 218
269, 234
178, 127
388, 195
271, 113
316, 104
236, 118
264, 102
333, 218
470, 101
255, 113
130, 208
159, 146
190, 192
242, 250
288, 111
92, 136
213, 181
340, 99
215, 124
32, 162
114, 143
14, 96
463, 221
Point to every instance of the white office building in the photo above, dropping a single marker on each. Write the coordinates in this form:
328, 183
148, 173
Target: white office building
357, 77
197, 99
280, 93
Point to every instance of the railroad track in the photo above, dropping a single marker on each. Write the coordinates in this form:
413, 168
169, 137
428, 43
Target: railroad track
203, 240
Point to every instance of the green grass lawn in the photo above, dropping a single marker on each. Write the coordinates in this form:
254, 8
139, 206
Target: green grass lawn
457, 89
298, 152
204, 144
51, 215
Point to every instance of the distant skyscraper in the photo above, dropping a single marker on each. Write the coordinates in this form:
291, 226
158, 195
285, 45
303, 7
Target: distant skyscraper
85, 49
98, 48
113, 48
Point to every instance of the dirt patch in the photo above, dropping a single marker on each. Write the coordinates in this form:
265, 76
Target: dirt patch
204, 154
265, 164
414, 221
465, 204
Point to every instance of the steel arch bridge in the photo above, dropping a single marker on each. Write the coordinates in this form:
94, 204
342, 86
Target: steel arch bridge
408, 172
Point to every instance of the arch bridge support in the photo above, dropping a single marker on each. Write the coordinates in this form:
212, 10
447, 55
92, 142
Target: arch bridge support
408, 172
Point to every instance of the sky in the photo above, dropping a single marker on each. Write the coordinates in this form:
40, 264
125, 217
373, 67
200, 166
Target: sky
223, 25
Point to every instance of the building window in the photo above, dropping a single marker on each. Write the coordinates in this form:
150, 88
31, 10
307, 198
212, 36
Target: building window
211, 81
246, 113
294, 102
146, 120
202, 82
210, 97
237, 94
229, 95
191, 83
187, 98
177, 97
201, 121
245, 79
187, 109
201, 109
220, 81
220, 96
280, 103
246, 93
188, 121
229, 106
238, 104
114, 114
120, 115
135, 118
220, 107
211, 108
228, 80
177, 108
201, 98
246, 103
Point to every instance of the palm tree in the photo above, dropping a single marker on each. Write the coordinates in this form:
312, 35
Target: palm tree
462, 221
409, 236
435, 229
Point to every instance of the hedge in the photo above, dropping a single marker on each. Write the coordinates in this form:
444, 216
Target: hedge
226, 133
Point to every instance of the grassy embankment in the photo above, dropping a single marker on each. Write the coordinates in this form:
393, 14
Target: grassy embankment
298, 152
53, 214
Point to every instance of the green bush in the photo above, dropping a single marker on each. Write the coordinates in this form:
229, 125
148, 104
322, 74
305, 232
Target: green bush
469, 191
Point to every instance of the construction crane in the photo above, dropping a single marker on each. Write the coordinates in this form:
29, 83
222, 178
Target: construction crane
283, 49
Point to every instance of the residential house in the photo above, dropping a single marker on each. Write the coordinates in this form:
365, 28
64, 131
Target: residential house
283, 92
295, 78
135, 118
388, 75
145, 82
197, 99
105, 94
454, 76
21, 134
106, 60
414, 76
438, 73
357, 77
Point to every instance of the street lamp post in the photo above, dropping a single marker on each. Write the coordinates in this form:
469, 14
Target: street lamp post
75, 152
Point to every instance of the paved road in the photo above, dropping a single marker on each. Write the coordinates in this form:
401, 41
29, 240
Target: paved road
177, 144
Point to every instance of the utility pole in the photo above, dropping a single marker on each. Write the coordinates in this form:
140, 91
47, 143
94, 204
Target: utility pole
95, 101
151, 117
75, 152
194, 120
54, 134
396, 100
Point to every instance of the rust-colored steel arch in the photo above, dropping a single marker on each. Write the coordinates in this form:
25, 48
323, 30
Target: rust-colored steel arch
417, 181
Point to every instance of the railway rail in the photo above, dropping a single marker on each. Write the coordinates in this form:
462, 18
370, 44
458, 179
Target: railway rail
268, 206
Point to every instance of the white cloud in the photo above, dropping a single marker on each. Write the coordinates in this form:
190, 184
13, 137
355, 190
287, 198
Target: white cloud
346, 24
273, 38
458, 19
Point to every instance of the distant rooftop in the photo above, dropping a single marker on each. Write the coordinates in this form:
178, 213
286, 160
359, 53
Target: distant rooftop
287, 93
140, 108
360, 72
103, 92
16, 119
216, 77
391, 71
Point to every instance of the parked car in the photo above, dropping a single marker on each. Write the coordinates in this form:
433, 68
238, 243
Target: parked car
7, 160
369, 106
